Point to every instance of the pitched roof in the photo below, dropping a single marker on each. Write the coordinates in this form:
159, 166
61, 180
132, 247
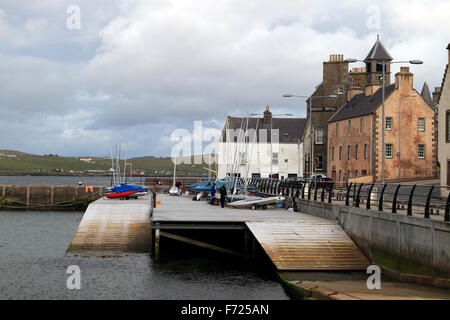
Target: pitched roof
378, 53
362, 105
290, 129
426, 95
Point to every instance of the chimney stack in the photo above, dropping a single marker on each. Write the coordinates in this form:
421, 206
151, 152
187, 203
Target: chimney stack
354, 90
371, 89
267, 116
404, 79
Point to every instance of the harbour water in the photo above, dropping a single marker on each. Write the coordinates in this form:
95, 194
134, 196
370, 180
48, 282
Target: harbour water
33, 265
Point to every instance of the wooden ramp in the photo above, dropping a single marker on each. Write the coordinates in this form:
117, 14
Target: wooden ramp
308, 245
115, 225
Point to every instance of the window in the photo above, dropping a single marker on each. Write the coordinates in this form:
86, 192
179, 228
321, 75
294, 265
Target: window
348, 174
337, 129
332, 153
421, 124
356, 152
389, 150
286, 160
421, 151
365, 151
361, 128
389, 123
275, 158
349, 127
447, 126
348, 152
340, 175
319, 136
340, 153
340, 90
356, 173
364, 172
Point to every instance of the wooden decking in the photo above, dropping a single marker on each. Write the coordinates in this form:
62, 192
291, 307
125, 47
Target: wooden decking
292, 240
114, 225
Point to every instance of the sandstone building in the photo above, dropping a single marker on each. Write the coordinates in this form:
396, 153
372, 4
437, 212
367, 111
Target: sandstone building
444, 128
354, 132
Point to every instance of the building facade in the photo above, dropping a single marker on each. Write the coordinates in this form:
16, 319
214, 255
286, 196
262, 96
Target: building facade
336, 81
355, 133
246, 145
444, 129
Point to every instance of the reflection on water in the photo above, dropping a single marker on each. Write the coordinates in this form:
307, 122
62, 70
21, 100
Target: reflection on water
33, 265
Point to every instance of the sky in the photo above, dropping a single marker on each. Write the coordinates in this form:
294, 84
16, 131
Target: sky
79, 76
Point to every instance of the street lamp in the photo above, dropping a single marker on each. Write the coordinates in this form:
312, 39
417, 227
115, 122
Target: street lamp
310, 98
271, 136
399, 124
383, 64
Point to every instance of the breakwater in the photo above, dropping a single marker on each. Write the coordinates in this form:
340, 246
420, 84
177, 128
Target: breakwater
45, 197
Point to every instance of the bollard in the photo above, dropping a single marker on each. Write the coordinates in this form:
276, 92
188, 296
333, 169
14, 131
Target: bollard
447, 210
357, 196
347, 196
394, 202
410, 200
427, 204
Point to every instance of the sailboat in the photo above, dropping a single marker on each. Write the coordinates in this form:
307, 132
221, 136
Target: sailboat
122, 190
174, 191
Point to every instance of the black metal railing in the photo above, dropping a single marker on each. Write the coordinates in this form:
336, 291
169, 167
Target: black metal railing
411, 200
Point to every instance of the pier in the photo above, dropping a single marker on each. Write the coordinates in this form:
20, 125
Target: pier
291, 240
314, 256
114, 225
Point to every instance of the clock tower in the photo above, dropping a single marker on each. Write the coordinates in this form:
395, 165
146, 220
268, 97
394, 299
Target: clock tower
374, 67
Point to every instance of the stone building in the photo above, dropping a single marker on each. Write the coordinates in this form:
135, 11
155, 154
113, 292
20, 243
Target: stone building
355, 131
246, 144
444, 128
336, 81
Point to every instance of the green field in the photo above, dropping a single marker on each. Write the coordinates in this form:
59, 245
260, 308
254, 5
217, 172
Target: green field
50, 164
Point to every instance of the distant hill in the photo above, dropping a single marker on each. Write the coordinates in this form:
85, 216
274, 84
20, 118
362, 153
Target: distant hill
26, 163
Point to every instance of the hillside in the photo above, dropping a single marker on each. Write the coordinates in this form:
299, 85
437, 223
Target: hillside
16, 162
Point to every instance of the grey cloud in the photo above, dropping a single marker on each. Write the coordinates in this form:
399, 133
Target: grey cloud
137, 70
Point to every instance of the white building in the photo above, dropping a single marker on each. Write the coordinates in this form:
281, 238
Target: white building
444, 129
251, 159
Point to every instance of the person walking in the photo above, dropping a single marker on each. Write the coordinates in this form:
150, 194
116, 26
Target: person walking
223, 195
213, 194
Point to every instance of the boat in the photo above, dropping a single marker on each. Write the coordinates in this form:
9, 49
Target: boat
124, 191
119, 189
256, 202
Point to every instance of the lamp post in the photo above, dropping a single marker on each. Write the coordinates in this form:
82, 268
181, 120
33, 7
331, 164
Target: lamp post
310, 98
383, 82
399, 125
271, 136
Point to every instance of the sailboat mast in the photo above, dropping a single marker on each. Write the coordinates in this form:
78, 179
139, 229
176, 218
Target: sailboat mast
125, 166
112, 168
174, 171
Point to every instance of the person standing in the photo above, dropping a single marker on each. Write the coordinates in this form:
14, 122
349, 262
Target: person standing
213, 194
223, 195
